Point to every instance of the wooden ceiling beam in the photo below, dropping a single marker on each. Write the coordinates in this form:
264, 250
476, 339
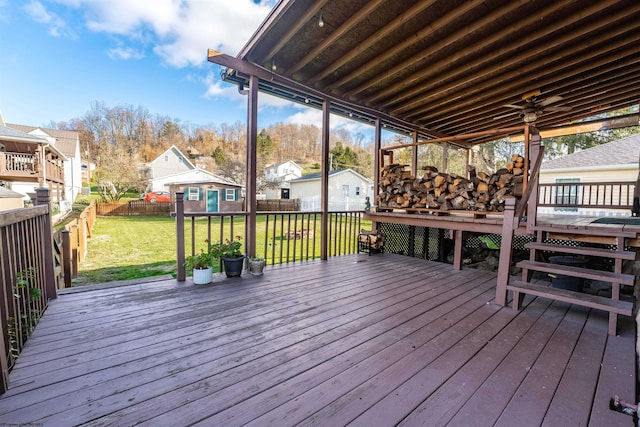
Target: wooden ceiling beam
500, 39
372, 40
578, 90
513, 70
432, 49
461, 10
407, 87
335, 35
549, 73
292, 31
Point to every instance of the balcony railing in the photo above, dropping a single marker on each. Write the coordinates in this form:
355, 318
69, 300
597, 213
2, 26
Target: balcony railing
571, 195
25, 165
281, 237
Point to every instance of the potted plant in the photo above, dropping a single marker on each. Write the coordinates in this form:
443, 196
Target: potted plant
231, 255
202, 265
256, 265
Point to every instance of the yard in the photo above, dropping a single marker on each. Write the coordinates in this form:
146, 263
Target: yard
124, 248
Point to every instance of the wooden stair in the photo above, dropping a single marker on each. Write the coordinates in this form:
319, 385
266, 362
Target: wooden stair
612, 304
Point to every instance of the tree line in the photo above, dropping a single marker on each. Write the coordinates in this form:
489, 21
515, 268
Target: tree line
120, 140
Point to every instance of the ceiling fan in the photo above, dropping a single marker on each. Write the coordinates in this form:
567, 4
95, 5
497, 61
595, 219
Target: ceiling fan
534, 106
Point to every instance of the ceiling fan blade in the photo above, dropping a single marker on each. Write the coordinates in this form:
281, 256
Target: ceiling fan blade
513, 106
557, 109
505, 115
550, 100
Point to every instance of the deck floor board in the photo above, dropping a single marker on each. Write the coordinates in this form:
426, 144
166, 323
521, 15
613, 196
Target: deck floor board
361, 340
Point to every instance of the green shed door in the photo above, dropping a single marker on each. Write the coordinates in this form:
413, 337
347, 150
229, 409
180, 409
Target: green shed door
212, 201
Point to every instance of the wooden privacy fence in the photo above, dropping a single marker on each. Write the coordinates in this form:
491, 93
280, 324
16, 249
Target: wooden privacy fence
26, 276
278, 205
70, 246
132, 208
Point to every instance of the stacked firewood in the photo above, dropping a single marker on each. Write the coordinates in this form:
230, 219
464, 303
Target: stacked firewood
481, 192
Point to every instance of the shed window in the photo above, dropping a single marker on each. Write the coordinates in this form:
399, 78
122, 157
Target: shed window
230, 194
193, 193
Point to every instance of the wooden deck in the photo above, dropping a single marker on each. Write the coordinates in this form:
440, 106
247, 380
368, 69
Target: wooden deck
374, 340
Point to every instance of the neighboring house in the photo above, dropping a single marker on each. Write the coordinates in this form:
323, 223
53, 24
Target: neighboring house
28, 162
615, 161
68, 143
278, 176
171, 162
204, 191
347, 191
10, 199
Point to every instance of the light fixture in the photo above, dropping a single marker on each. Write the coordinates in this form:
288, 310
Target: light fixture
350, 114
306, 100
273, 65
530, 117
321, 21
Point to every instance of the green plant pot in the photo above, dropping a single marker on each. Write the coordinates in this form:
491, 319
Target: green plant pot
233, 266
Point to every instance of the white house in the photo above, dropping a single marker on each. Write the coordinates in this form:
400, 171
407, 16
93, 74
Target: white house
68, 143
278, 176
616, 161
348, 191
171, 162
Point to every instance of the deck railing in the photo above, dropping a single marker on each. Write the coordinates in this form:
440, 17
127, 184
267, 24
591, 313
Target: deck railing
28, 165
281, 237
26, 276
572, 195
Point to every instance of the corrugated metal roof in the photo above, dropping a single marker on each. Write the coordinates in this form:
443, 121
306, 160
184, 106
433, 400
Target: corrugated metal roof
66, 140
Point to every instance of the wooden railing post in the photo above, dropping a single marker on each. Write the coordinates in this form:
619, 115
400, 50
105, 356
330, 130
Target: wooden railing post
82, 238
66, 258
74, 249
42, 198
506, 244
180, 236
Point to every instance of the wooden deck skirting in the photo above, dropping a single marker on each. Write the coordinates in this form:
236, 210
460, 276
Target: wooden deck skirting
362, 340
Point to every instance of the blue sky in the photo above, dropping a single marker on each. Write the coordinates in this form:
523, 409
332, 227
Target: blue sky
59, 56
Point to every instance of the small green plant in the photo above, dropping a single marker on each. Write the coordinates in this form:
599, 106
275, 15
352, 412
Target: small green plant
202, 260
228, 248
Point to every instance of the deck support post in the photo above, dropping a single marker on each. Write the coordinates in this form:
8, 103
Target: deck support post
457, 248
506, 244
181, 276
252, 146
324, 182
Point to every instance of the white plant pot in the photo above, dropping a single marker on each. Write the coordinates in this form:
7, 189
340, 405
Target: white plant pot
202, 276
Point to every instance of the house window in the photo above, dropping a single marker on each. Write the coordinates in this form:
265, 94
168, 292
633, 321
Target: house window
166, 158
230, 194
567, 195
345, 191
357, 191
193, 193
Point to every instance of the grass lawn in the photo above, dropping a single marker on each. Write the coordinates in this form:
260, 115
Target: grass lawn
134, 247
129, 248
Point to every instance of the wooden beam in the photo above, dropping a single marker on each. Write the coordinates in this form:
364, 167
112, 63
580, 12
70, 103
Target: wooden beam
585, 127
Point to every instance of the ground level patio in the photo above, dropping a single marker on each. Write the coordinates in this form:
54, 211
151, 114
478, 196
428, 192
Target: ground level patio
364, 340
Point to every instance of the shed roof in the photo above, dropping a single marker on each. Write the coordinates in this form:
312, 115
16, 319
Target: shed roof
448, 67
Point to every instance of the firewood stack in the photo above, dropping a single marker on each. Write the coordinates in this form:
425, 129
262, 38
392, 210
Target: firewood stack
398, 189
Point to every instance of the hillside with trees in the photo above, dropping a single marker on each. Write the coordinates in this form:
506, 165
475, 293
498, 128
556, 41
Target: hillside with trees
120, 140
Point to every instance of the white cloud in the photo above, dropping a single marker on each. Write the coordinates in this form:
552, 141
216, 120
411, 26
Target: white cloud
125, 53
181, 30
57, 26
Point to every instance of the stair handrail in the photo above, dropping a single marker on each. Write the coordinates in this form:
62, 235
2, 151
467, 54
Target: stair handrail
533, 183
